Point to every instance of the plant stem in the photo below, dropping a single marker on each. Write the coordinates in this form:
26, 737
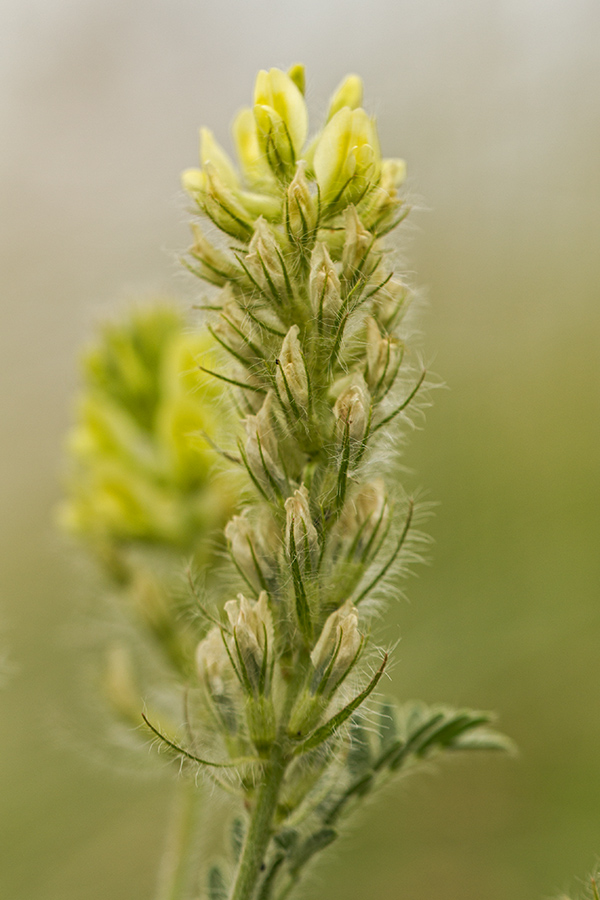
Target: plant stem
179, 868
259, 832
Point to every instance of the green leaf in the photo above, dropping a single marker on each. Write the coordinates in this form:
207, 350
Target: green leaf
451, 729
217, 886
359, 754
312, 845
238, 833
286, 838
388, 727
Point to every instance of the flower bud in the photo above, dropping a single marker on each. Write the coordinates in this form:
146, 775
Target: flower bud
389, 302
281, 119
357, 245
380, 208
234, 327
252, 158
119, 684
300, 533
297, 73
251, 645
292, 381
252, 549
325, 289
384, 355
212, 662
351, 410
337, 649
349, 93
347, 159
216, 673
301, 207
363, 518
214, 265
218, 201
265, 262
262, 450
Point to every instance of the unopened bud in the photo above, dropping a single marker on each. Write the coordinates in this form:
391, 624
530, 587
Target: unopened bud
251, 645
215, 672
221, 204
357, 245
363, 519
298, 75
119, 684
380, 209
262, 450
325, 289
301, 207
302, 538
265, 262
389, 303
349, 93
252, 159
347, 158
253, 550
212, 662
235, 328
292, 381
337, 649
351, 410
384, 355
281, 120
215, 265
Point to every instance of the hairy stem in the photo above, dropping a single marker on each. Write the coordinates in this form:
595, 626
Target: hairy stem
178, 873
260, 830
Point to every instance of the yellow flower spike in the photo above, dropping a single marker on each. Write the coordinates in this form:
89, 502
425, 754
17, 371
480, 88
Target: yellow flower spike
137, 470
349, 93
347, 159
211, 152
281, 119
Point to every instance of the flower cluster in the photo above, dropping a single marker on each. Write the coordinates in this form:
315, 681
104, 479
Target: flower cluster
309, 313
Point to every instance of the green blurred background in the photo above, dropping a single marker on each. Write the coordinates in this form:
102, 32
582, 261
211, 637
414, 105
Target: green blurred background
496, 107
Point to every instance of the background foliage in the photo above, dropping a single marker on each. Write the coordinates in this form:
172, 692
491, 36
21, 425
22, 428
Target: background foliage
495, 108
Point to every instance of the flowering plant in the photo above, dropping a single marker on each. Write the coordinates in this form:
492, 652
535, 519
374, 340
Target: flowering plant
310, 322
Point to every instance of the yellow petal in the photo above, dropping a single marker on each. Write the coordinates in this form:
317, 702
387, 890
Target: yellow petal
212, 152
348, 93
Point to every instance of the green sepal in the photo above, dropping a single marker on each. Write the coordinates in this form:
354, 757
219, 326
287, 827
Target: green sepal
326, 730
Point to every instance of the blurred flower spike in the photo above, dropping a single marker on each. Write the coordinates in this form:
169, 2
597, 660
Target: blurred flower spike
140, 468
